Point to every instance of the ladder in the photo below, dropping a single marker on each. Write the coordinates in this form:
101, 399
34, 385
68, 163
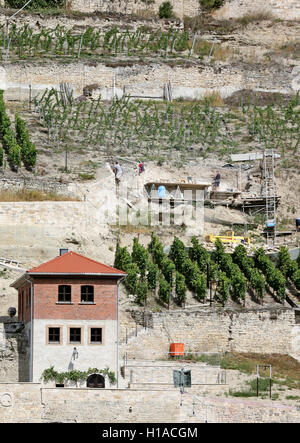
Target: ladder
270, 191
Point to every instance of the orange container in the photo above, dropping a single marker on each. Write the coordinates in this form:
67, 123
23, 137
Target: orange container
176, 349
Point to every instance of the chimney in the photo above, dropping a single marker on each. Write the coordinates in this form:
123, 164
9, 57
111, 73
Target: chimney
63, 251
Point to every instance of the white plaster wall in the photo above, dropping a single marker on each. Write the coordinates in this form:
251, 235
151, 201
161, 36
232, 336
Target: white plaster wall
60, 356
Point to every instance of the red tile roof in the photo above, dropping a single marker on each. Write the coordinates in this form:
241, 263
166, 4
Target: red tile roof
73, 263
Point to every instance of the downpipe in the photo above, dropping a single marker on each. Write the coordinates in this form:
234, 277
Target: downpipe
118, 288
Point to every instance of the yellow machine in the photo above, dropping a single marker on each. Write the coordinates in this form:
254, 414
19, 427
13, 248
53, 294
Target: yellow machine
228, 238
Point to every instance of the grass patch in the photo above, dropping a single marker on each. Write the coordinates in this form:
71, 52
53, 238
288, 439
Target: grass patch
252, 17
210, 359
86, 176
291, 49
213, 98
32, 195
292, 397
263, 389
285, 369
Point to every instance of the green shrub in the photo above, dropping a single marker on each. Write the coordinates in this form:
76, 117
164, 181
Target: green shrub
165, 10
211, 4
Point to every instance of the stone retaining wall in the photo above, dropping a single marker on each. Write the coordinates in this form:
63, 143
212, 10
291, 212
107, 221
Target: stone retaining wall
259, 331
149, 8
284, 9
191, 81
29, 403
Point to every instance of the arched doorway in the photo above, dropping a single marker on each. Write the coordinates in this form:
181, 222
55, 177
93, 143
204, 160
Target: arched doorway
95, 381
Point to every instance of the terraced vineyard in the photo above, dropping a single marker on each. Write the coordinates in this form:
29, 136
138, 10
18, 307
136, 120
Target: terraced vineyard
145, 126
151, 270
26, 42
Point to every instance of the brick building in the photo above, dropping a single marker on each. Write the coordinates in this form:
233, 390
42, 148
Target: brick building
69, 307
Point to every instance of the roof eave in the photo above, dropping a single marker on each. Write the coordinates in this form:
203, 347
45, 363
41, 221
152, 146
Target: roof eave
97, 274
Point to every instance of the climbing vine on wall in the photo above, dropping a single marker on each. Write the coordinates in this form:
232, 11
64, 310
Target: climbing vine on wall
51, 374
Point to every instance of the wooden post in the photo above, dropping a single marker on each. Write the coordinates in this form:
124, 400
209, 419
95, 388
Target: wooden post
30, 97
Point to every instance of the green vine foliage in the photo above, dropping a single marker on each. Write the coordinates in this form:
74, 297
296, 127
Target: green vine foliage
274, 276
122, 258
152, 275
289, 267
180, 288
164, 290
140, 256
199, 254
247, 265
35, 4
28, 149
132, 278
51, 374
141, 292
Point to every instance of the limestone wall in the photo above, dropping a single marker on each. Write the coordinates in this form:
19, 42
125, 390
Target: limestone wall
258, 331
28, 403
190, 81
284, 9
181, 8
20, 403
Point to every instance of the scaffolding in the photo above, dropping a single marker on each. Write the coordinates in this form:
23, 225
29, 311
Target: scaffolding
270, 192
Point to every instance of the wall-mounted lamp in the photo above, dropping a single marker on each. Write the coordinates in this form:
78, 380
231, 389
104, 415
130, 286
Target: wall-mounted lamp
75, 354
130, 408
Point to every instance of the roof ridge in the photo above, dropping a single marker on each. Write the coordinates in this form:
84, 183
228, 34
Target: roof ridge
59, 258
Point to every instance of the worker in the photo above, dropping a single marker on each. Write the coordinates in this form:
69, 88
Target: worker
217, 179
141, 167
118, 172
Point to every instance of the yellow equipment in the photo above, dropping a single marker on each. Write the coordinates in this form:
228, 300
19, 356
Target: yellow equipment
228, 238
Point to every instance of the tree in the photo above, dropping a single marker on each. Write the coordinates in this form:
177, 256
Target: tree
165, 10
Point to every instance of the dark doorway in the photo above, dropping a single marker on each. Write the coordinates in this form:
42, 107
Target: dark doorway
95, 381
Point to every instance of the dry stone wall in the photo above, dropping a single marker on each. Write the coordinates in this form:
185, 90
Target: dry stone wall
259, 331
181, 8
146, 80
30, 403
284, 9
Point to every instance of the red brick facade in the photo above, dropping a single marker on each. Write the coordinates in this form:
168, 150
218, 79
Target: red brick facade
46, 304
